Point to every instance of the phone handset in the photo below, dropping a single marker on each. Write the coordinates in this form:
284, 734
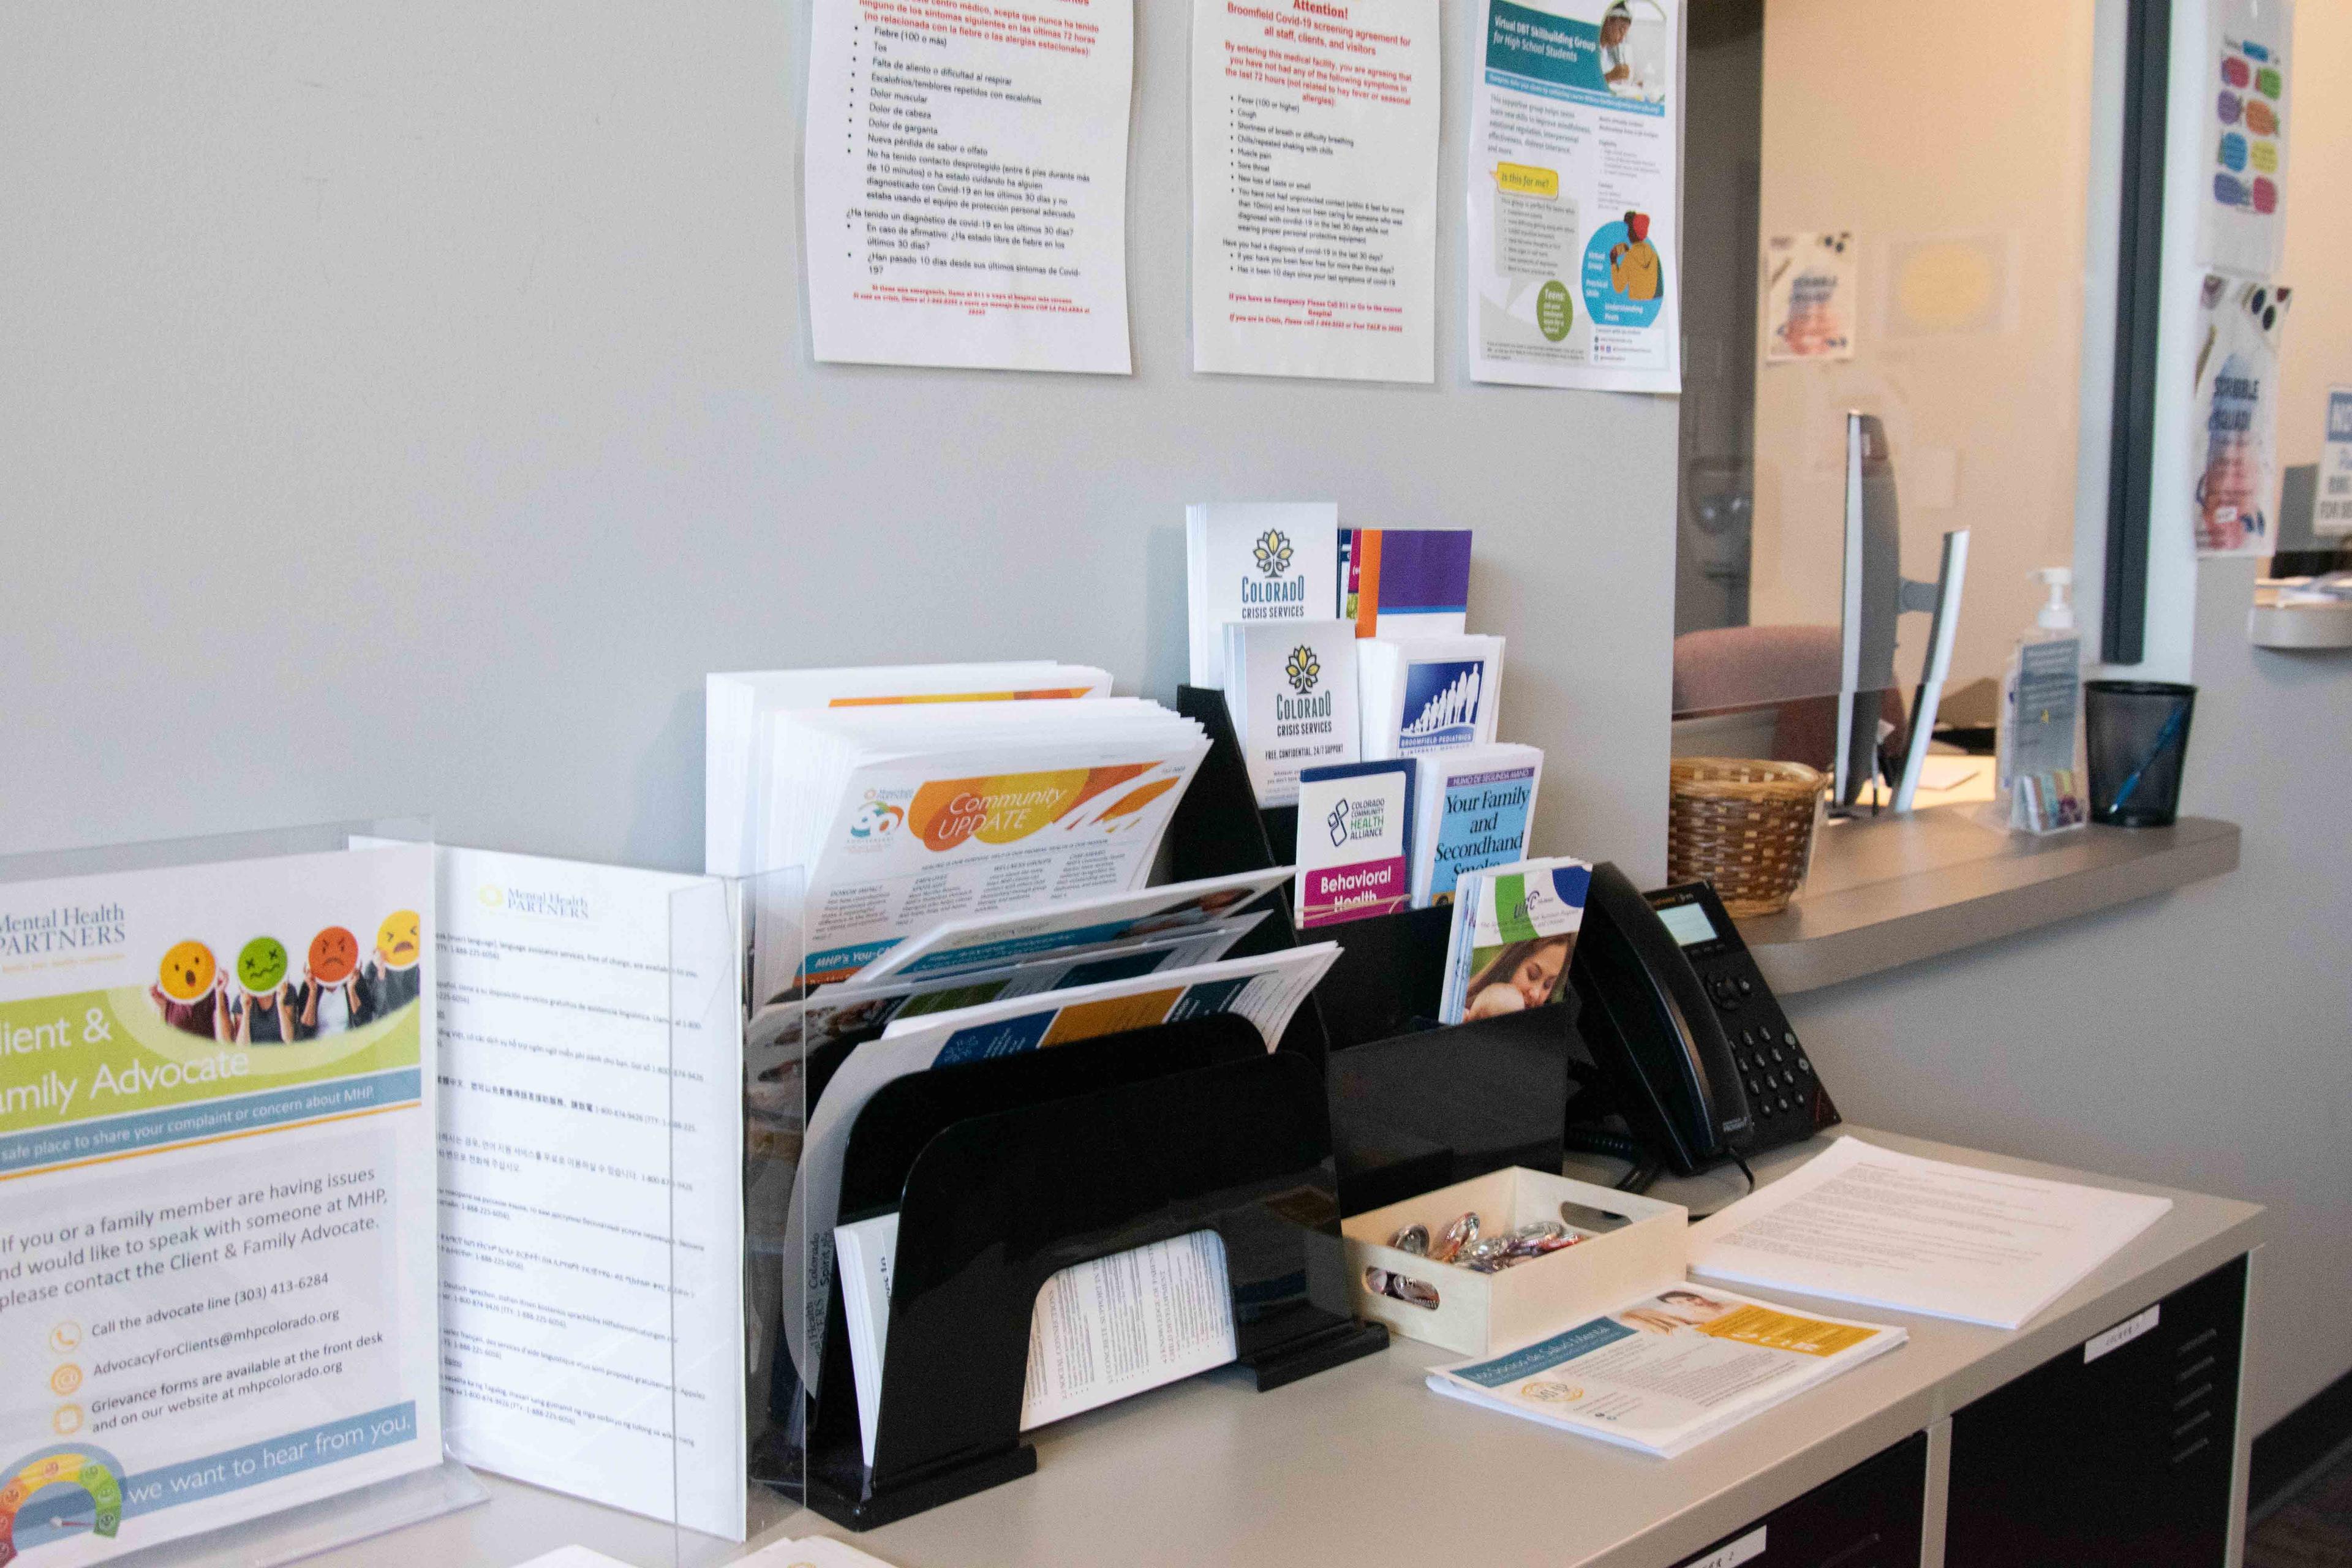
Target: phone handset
1653, 1032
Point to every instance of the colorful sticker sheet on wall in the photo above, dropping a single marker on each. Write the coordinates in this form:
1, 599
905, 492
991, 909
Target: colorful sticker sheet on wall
2246, 113
2235, 482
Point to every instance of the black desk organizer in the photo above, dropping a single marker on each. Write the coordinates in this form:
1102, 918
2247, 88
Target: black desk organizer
1005, 1172
1415, 1105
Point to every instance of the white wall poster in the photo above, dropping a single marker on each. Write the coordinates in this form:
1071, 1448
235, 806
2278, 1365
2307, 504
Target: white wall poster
1314, 189
2242, 214
2236, 408
1574, 122
1809, 297
966, 182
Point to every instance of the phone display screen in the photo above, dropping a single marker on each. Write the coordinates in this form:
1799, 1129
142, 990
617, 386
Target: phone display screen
1688, 924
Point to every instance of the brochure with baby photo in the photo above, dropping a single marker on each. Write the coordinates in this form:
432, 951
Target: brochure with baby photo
1669, 1371
1514, 931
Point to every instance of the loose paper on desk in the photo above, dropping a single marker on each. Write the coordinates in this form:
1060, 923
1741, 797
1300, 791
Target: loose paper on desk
1858, 1223
1266, 989
966, 179
592, 1278
1314, 189
217, 1086
1573, 190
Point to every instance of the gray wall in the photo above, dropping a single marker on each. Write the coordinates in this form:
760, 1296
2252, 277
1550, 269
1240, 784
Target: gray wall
407, 405
404, 409
2202, 1040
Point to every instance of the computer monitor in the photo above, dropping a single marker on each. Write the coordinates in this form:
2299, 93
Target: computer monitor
1875, 596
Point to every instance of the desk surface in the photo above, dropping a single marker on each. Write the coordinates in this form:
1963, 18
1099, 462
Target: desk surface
1363, 1464
1890, 890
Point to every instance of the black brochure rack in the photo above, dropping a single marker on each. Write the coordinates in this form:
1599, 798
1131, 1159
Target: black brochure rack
1415, 1105
1003, 1171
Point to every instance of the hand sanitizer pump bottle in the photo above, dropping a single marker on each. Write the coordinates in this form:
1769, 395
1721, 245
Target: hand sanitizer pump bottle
2040, 787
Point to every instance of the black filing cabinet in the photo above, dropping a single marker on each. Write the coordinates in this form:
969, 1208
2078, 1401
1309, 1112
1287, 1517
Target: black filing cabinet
1870, 1517
2112, 1453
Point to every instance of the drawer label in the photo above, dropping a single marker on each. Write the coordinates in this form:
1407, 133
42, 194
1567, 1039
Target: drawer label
1745, 1549
2122, 1334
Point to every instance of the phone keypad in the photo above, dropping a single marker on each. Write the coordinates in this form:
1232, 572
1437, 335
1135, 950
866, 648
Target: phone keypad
1783, 1094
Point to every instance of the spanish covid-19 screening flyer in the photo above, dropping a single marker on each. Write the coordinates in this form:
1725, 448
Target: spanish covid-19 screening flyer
216, 1196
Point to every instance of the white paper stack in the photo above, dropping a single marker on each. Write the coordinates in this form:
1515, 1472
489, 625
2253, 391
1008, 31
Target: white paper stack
1858, 1223
909, 816
736, 706
1291, 688
1256, 562
1425, 694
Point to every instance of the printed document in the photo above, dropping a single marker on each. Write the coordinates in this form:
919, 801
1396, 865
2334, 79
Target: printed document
966, 182
1314, 189
1859, 1223
217, 1265
589, 1259
1574, 187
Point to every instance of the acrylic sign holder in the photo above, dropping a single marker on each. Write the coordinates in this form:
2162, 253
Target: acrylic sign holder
40, 1506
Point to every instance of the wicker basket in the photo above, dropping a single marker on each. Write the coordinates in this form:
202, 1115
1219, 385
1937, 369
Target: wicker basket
1747, 826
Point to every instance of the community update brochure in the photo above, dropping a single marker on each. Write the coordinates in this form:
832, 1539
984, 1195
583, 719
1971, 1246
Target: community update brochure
216, 1196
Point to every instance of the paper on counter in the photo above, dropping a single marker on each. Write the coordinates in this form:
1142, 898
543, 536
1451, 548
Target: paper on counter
1858, 1223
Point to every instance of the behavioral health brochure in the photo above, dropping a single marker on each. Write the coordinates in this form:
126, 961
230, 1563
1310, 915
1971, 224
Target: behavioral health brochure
1572, 191
217, 1090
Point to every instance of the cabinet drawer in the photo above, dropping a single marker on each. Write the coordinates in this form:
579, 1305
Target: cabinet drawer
1867, 1518
2116, 1452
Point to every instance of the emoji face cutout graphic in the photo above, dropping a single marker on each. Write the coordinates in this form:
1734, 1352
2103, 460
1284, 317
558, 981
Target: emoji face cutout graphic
187, 971
261, 965
334, 954
396, 940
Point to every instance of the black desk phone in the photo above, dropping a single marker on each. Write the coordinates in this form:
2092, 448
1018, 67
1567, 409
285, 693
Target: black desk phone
1691, 1048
